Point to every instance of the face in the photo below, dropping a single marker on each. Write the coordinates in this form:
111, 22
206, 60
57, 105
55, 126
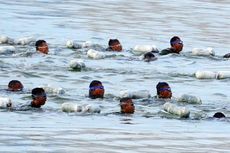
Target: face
39, 100
165, 92
116, 47
96, 91
43, 48
178, 46
16, 87
127, 107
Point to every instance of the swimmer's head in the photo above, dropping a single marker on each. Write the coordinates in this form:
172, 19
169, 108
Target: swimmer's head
96, 89
15, 85
42, 46
227, 55
176, 44
149, 56
163, 90
219, 115
115, 45
38, 97
127, 105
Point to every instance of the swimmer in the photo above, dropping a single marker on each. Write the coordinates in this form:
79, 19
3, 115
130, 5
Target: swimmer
176, 46
219, 115
127, 106
227, 55
38, 99
42, 46
114, 45
149, 56
96, 89
163, 90
15, 85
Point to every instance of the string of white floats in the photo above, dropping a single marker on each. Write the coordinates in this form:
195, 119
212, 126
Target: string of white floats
94, 51
136, 50
85, 108
20, 41
8, 48
212, 75
171, 108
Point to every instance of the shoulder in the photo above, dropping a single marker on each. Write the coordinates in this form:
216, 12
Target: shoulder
167, 51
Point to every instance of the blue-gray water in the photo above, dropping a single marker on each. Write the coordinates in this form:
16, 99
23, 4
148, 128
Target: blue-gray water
199, 24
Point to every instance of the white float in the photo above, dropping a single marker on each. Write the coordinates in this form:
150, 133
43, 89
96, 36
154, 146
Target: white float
175, 110
3, 39
141, 49
71, 107
69, 43
205, 75
25, 41
7, 49
85, 108
190, 99
73, 44
87, 44
5, 102
91, 45
135, 94
223, 74
6, 40
90, 109
203, 52
77, 64
95, 54
52, 90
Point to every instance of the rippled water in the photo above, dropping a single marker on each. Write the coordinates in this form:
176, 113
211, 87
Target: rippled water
199, 24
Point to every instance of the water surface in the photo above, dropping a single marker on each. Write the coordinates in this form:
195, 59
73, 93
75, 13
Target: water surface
199, 24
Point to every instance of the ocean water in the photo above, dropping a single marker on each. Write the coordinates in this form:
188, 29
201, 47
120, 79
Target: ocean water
200, 24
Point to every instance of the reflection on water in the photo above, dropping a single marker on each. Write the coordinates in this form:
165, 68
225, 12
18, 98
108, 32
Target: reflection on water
199, 24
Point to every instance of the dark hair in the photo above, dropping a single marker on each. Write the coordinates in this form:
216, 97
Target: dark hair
112, 41
227, 55
174, 39
125, 99
161, 85
13, 82
148, 56
37, 91
39, 43
219, 115
95, 83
